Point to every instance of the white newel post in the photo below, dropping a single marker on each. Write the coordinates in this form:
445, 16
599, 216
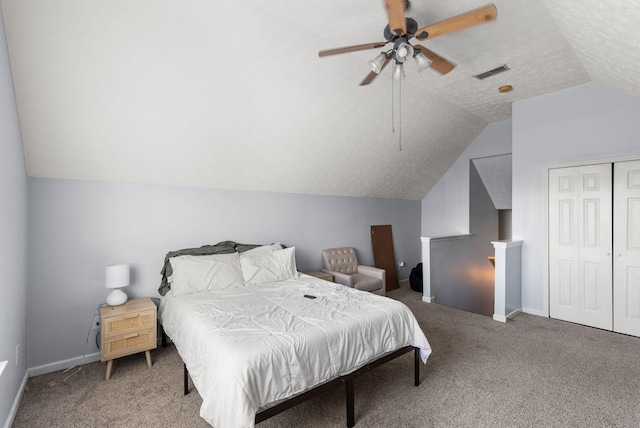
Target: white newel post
426, 270
508, 279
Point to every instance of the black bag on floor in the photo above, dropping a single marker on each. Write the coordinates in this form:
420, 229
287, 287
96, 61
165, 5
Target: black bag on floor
415, 278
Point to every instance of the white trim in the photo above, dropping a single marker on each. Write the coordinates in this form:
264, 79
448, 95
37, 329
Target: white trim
404, 282
545, 258
16, 402
500, 318
506, 244
536, 312
509, 316
448, 238
431, 299
64, 364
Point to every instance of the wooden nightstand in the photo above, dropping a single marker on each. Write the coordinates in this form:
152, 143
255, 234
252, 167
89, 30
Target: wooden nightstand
320, 274
127, 329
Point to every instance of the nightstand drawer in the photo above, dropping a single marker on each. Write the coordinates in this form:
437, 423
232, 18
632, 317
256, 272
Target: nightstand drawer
129, 343
127, 323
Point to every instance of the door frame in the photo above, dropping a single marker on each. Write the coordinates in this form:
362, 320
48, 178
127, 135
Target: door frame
546, 168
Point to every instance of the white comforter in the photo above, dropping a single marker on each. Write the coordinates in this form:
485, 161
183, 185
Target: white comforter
248, 347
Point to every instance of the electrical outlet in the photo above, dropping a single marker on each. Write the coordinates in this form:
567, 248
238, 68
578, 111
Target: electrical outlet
402, 264
96, 323
17, 353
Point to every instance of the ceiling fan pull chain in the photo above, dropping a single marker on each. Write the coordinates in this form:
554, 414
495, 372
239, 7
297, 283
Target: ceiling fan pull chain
393, 120
399, 115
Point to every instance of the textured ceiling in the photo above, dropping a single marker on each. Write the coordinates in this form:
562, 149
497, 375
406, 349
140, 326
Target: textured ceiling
233, 94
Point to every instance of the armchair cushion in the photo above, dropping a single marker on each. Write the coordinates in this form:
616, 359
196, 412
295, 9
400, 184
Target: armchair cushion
341, 260
343, 265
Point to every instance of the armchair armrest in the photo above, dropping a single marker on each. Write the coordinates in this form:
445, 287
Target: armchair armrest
340, 278
375, 272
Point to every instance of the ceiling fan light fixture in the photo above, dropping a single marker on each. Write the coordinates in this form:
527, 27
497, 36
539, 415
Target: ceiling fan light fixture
403, 51
398, 71
377, 62
422, 62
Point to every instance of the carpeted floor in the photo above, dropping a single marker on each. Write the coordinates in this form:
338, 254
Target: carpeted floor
530, 372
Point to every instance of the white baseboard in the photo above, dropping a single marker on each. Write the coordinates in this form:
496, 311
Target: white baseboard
64, 364
404, 283
537, 312
16, 402
431, 299
500, 318
510, 315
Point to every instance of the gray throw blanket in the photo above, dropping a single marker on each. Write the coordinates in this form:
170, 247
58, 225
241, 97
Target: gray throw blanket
224, 247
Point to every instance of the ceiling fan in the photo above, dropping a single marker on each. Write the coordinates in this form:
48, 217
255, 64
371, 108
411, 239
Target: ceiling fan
401, 29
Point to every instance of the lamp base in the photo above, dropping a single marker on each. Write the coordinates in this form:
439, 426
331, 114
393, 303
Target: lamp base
116, 298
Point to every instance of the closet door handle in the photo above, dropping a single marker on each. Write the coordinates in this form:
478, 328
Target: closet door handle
619, 254
607, 254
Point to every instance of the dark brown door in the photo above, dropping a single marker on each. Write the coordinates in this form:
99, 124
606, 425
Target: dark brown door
383, 257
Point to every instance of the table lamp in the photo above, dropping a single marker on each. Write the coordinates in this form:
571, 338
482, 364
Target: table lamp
116, 277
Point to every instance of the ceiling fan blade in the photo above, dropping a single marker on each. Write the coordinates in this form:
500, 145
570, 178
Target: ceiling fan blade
460, 22
351, 49
373, 75
395, 12
439, 64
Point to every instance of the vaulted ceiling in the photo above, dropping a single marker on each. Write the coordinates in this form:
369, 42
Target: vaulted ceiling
233, 95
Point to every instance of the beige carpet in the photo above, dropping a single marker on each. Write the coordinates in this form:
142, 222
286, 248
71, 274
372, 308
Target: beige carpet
530, 372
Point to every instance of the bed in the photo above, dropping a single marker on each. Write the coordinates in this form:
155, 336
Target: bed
254, 334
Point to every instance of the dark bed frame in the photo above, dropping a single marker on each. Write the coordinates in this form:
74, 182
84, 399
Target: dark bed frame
348, 380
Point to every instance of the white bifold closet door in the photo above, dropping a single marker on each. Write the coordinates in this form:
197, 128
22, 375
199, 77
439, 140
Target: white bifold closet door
580, 245
626, 238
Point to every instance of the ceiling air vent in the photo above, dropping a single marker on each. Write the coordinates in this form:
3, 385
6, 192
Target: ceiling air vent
492, 72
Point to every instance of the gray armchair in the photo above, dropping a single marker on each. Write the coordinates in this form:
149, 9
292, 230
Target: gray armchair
342, 263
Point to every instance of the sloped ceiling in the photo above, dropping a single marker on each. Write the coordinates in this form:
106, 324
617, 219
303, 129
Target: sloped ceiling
495, 173
233, 95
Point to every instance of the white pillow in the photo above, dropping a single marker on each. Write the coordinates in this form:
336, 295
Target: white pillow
263, 248
268, 266
193, 274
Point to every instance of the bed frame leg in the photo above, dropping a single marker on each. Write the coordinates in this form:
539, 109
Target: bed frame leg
351, 417
186, 379
416, 367
164, 338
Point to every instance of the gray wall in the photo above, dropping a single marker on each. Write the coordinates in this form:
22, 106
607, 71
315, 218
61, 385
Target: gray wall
79, 227
13, 244
582, 123
461, 274
445, 209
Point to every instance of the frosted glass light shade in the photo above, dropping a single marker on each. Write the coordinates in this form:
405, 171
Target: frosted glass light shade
398, 72
116, 277
377, 62
422, 62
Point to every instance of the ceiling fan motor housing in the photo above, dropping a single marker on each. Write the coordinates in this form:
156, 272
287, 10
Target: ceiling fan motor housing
412, 26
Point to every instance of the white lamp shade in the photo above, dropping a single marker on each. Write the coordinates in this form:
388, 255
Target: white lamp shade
116, 276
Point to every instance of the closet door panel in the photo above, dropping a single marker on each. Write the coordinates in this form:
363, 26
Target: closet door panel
563, 245
580, 272
626, 261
